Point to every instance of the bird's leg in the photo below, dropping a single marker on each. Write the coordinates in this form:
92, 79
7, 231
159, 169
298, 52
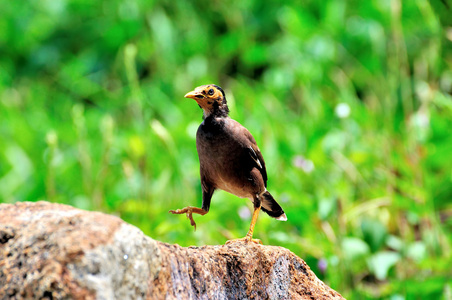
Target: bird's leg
249, 236
189, 210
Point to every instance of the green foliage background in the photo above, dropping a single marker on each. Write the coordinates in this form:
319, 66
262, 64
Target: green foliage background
92, 114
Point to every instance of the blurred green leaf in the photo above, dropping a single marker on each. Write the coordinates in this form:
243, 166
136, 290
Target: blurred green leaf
380, 263
374, 233
354, 248
326, 208
416, 251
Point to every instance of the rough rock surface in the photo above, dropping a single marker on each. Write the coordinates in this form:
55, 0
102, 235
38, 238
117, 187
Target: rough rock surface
55, 251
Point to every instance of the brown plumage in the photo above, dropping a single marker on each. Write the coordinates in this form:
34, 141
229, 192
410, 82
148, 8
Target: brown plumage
229, 158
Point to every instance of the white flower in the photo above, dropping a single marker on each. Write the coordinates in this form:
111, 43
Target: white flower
302, 163
342, 110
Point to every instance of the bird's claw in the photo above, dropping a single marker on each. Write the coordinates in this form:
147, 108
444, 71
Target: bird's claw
247, 239
188, 212
190, 217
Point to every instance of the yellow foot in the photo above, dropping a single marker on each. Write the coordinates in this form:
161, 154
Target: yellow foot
245, 240
189, 210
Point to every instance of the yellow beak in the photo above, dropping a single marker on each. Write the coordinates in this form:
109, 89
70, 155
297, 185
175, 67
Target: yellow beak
192, 95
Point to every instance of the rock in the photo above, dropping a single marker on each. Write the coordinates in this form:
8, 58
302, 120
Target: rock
55, 251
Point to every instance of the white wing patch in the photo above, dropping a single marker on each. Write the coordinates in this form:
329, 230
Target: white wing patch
254, 157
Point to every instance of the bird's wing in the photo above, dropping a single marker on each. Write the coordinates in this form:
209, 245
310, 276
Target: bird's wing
249, 146
256, 155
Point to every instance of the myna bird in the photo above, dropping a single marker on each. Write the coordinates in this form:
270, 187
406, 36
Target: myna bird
229, 158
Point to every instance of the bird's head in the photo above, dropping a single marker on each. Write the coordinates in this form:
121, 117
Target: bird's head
211, 99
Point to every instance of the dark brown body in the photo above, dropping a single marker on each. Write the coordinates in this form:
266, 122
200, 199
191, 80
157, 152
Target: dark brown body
238, 174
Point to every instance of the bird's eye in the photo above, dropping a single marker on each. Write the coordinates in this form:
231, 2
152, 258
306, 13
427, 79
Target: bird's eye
210, 92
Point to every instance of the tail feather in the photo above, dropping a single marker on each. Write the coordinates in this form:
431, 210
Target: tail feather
271, 207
